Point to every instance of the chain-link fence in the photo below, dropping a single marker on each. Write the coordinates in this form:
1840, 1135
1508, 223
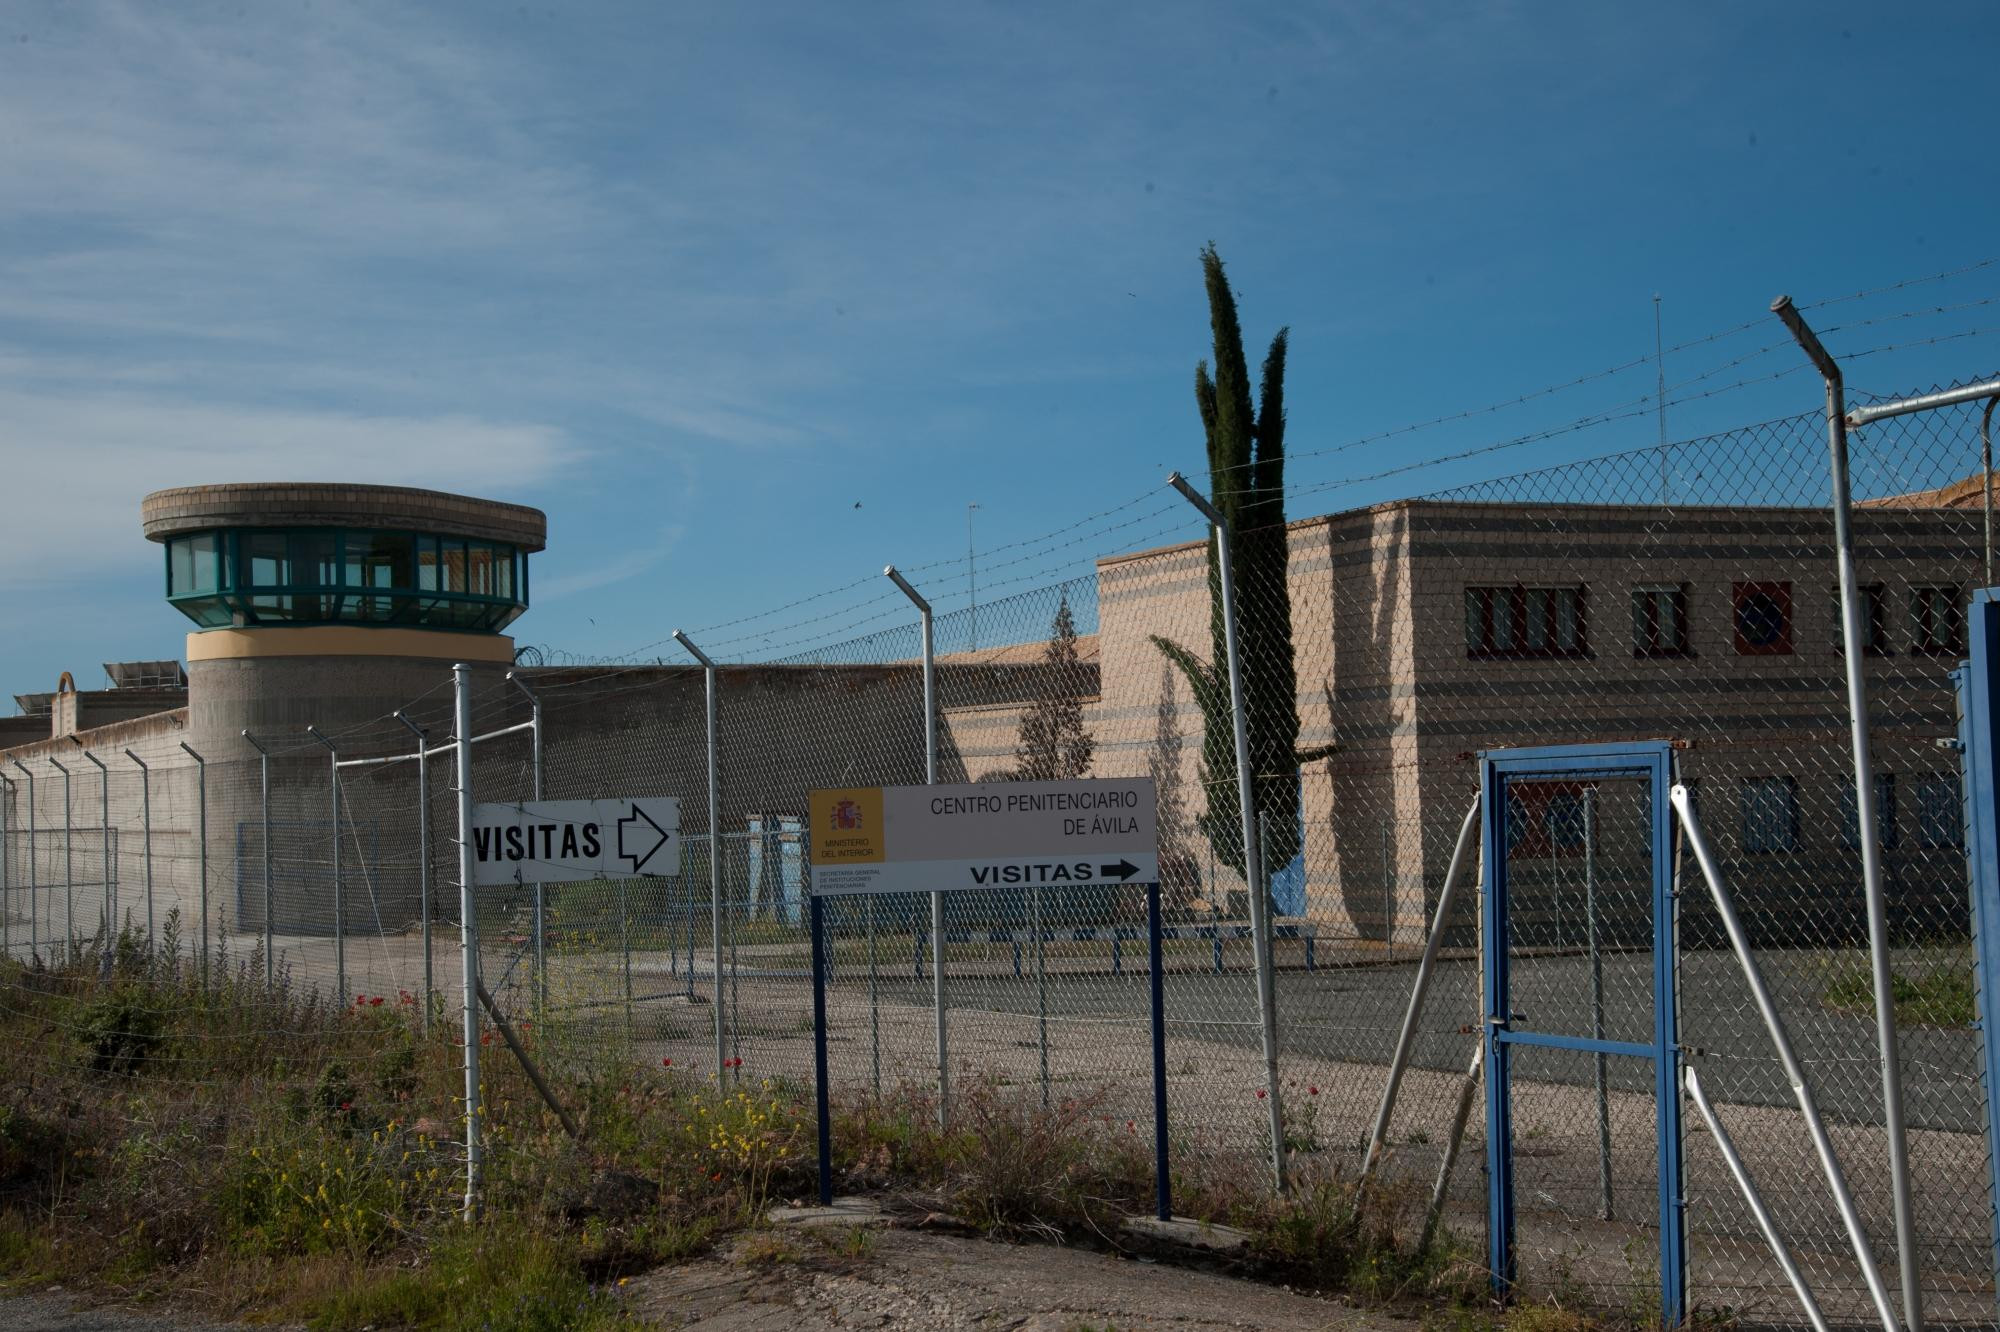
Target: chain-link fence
1684, 593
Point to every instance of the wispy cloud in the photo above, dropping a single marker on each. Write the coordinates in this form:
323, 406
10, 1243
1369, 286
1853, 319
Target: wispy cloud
93, 459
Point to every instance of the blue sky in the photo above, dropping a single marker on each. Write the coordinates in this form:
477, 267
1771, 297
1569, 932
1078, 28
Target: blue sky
699, 279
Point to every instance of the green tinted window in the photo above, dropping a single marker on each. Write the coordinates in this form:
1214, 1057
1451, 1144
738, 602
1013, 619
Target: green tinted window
330, 575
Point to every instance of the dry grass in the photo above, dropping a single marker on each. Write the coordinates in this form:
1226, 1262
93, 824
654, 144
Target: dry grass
269, 1155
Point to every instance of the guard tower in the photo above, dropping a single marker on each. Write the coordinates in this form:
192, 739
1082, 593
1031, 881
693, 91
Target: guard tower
331, 605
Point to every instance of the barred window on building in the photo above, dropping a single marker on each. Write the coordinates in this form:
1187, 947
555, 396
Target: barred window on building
1770, 815
1523, 621
1937, 621
1885, 813
1940, 812
1659, 620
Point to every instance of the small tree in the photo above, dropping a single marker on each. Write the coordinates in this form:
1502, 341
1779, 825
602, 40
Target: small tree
1180, 873
1052, 744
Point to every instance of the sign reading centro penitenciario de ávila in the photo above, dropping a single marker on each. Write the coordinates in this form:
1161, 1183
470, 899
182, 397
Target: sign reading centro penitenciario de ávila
553, 841
911, 839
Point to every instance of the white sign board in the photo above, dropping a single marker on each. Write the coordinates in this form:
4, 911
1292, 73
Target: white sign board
550, 841
1013, 835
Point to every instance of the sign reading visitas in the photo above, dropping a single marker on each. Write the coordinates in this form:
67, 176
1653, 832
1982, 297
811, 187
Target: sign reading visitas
552, 841
925, 839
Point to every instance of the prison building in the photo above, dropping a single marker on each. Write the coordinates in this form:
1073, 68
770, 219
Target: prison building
1428, 631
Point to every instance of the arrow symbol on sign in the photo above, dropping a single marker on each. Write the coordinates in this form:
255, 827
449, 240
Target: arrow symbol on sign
1123, 870
625, 852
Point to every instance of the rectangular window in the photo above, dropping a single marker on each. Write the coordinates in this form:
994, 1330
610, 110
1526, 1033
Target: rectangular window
479, 569
205, 551
1874, 620
180, 568
451, 555
265, 559
1937, 621
1524, 621
1659, 620
1885, 813
1770, 815
1940, 812
1762, 618
427, 564
380, 560
193, 565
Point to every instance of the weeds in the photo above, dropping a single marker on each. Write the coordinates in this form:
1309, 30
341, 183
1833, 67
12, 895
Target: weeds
1941, 998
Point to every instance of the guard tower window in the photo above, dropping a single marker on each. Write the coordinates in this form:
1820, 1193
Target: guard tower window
345, 575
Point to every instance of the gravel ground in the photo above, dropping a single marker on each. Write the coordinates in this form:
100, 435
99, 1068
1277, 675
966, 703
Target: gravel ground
910, 1280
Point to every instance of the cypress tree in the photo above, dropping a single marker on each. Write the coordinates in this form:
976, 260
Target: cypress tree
1052, 744
1246, 470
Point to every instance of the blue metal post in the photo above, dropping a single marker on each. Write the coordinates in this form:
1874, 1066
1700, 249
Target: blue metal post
1493, 1010
819, 1053
1976, 728
1163, 1188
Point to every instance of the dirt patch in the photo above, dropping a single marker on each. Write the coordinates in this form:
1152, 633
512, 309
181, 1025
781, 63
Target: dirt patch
908, 1280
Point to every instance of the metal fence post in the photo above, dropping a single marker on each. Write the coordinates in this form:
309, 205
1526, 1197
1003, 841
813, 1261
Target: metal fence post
69, 866
424, 908
6, 867
270, 898
714, 850
1041, 991
34, 870
109, 907
339, 902
541, 986
468, 928
146, 836
1253, 862
201, 805
930, 779
1596, 999
1867, 831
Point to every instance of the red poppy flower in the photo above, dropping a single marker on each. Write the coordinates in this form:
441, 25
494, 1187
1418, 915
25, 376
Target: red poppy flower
376, 1002
666, 1063
1312, 1091
1260, 1093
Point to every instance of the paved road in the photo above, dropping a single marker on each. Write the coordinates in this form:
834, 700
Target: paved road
1351, 1014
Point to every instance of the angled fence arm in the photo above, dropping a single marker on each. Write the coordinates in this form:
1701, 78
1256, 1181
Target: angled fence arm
1794, 1073
1741, 1174
1420, 990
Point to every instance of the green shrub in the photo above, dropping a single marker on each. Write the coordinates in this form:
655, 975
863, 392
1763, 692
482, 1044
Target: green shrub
119, 1031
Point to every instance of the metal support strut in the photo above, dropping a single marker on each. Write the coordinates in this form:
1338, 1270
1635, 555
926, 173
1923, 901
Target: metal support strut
714, 852
937, 899
1867, 829
1253, 851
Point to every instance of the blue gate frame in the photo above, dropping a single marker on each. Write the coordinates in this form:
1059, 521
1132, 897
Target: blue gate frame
1650, 761
1978, 746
